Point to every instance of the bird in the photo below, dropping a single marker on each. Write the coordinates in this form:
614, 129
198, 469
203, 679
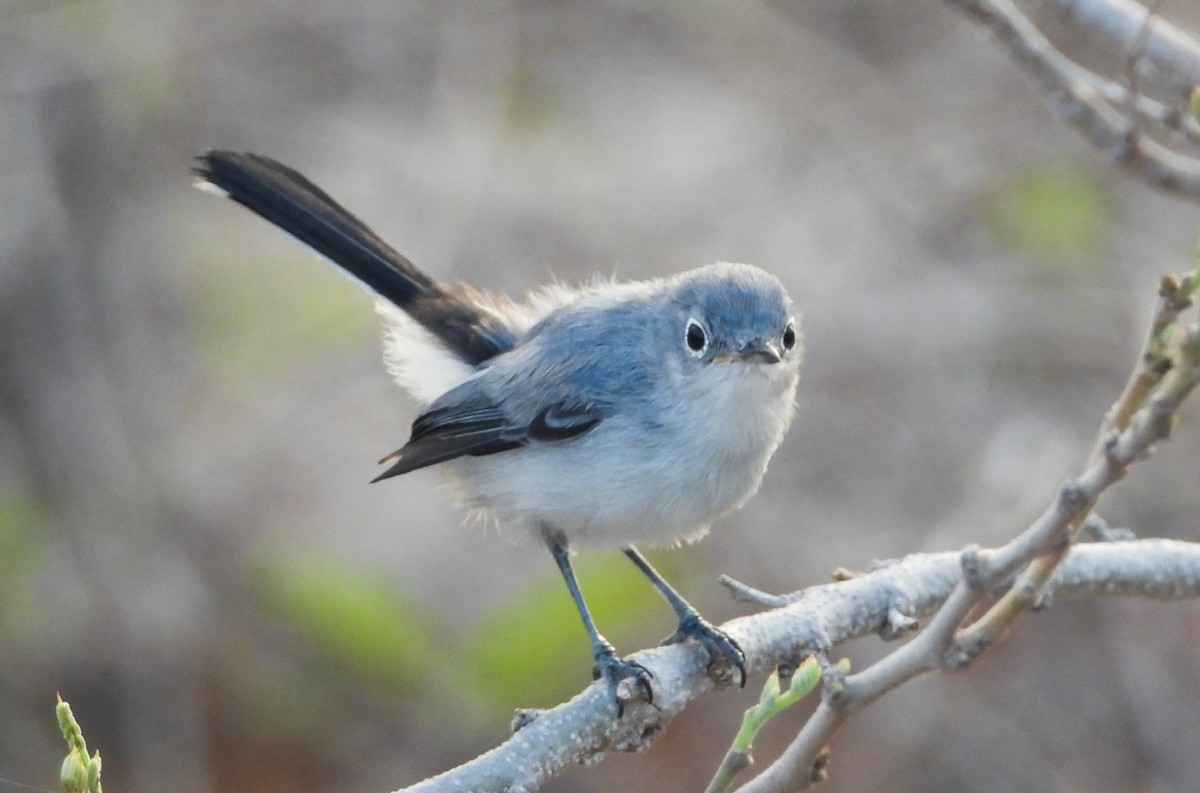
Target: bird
605, 416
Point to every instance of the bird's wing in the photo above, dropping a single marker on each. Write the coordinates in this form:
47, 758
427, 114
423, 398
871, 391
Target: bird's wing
479, 426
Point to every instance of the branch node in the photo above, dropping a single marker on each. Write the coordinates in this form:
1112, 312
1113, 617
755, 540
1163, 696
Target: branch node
1162, 421
632, 741
630, 690
1097, 529
834, 685
1072, 496
523, 718
820, 767
1110, 449
1125, 148
1168, 286
843, 574
975, 568
1026, 592
896, 624
963, 653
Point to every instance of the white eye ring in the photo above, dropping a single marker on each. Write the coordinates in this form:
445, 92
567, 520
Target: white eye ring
789, 336
695, 337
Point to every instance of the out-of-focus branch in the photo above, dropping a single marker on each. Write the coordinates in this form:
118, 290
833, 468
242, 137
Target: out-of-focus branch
1124, 27
1106, 113
815, 619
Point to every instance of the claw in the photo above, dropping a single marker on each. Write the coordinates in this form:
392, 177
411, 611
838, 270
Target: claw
723, 651
630, 680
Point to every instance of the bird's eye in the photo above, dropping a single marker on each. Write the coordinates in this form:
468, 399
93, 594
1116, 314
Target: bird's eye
695, 337
789, 336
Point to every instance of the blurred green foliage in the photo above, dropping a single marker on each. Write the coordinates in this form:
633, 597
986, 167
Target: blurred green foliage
529, 650
1060, 217
250, 311
22, 527
362, 624
532, 649
533, 106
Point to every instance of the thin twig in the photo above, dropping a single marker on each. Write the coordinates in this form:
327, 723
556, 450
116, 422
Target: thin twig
1174, 297
1133, 57
1118, 23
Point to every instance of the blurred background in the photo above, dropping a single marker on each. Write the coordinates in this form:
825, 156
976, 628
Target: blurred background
191, 406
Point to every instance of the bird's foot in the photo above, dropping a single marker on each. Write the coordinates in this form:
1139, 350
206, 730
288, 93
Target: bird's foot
630, 680
724, 654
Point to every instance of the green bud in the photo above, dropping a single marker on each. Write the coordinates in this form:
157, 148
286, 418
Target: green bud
66, 722
74, 774
93, 773
79, 773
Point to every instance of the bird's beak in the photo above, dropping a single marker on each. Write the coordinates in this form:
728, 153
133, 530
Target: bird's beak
397, 467
759, 352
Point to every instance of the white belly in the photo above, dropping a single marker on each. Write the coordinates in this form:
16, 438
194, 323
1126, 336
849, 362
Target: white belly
622, 484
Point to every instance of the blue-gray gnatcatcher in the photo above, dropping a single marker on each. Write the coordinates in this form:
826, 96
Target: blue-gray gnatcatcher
605, 416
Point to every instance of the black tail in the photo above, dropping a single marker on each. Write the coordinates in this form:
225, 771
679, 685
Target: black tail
293, 203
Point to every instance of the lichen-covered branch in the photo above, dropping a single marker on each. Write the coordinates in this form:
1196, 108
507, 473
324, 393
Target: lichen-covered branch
818, 618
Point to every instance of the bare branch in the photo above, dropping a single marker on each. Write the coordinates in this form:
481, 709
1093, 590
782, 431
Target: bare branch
1167, 372
1159, 569
821, 617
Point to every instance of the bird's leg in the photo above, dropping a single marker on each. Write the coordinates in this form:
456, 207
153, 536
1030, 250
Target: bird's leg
609, 665
722, 649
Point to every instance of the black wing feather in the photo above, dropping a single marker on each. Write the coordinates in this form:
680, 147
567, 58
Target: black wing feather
479, 427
